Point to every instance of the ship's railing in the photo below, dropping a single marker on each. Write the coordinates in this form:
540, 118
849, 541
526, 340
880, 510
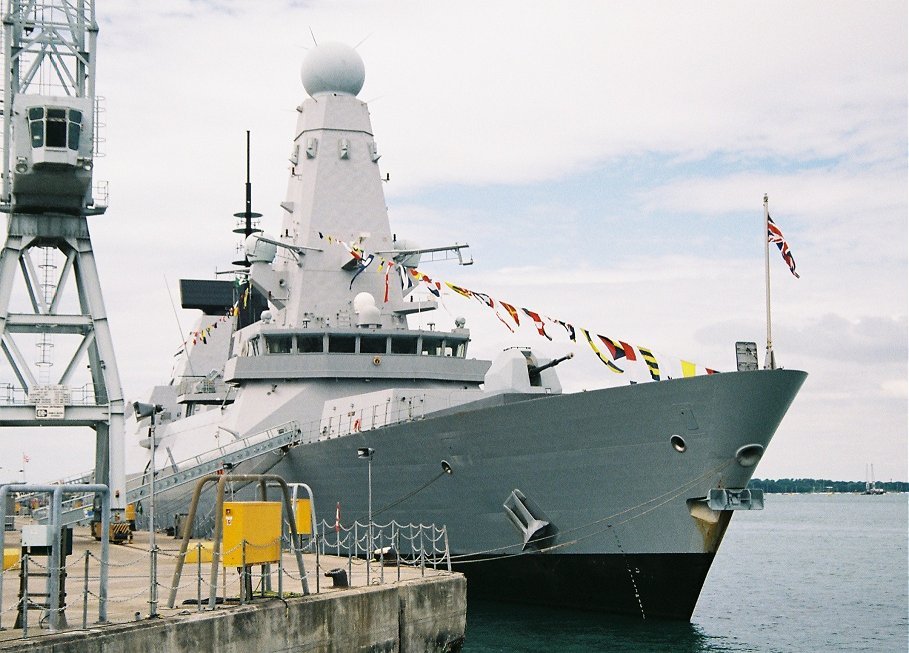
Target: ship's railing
420, 545
212, 461
36, 502
202, 385
367, 418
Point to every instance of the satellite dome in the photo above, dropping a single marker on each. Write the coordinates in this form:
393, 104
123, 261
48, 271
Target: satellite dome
259, 251
368, 314
332, 68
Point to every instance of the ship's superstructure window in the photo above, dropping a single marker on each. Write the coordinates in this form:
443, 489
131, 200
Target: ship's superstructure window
404, 345
342, 344
310, 344
306, 342
279, 344
432, 346
373, 344
55, 127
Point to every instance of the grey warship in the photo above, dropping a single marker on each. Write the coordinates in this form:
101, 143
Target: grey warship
613, 500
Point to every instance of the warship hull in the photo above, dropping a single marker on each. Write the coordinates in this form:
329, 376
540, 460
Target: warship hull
629, 529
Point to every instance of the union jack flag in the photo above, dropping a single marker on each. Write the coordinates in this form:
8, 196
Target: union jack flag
774, 235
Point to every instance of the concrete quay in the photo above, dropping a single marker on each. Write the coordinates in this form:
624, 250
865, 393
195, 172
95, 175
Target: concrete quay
405, 609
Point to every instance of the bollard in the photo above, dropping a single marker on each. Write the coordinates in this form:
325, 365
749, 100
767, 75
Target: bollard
338, 577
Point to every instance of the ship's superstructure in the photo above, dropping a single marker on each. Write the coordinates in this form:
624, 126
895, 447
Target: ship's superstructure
615, 499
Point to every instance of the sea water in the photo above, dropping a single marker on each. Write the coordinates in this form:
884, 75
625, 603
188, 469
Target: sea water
808, 573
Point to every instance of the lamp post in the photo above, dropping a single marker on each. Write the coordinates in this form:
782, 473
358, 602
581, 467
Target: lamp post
150, 410
367, 453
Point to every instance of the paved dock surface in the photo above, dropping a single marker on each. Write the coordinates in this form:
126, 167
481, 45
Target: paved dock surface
129, 585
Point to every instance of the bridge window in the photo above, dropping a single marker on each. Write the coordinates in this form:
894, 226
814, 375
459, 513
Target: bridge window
342, 344
431, 346
279, 344
309, 344
404, 345
372, 344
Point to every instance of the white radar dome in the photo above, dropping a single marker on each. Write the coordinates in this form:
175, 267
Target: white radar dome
368, 313
259, 251
332, 68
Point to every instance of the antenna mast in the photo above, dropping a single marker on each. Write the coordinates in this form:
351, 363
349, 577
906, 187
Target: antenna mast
245, 226
49, 140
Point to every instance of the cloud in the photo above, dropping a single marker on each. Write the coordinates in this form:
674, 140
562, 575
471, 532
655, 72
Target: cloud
606, 162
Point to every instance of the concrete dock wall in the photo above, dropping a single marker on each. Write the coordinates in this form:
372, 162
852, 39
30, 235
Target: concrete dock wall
427, 614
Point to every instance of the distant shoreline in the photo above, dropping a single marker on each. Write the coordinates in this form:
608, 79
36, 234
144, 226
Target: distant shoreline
821, 486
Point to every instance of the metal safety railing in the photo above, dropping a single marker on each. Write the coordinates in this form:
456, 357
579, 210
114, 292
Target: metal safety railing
117, 589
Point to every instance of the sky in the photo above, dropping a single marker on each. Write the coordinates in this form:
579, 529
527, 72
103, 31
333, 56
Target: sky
605, 161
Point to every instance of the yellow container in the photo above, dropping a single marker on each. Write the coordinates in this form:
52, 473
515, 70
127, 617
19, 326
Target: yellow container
258, 524
193, 552
130, 513
10, 558
303, 517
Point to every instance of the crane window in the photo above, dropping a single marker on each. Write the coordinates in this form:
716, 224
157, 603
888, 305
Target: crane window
59, 128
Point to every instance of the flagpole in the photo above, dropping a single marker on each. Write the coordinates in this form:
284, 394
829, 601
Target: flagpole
769, 359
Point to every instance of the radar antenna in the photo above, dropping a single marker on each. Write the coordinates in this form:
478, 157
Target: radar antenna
49, 140
247, 225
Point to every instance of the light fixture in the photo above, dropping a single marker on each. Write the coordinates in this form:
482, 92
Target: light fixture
143, 410
446, 468
365, 452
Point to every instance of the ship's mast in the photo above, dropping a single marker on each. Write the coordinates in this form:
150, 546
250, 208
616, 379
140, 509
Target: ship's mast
47, 264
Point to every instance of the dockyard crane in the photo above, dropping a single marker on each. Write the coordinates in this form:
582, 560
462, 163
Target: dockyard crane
50, 292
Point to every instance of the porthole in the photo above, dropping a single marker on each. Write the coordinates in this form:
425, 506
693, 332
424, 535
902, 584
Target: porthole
678, 443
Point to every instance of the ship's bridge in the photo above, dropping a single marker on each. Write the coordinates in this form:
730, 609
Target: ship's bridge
265, 352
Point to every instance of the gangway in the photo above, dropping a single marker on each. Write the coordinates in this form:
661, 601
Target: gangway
189, 470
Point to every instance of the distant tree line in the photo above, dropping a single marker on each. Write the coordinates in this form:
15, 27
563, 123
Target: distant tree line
809, 485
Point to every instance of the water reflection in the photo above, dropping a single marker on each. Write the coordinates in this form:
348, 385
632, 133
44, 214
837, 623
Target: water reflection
498, 627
